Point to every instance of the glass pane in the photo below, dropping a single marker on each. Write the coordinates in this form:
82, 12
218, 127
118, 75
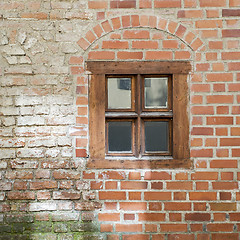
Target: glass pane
119, 93
156, 92
156, 136
119, 136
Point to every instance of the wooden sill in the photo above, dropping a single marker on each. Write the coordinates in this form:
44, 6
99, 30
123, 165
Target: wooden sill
163, 163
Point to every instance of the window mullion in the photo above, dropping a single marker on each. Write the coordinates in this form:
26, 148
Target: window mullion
139, 123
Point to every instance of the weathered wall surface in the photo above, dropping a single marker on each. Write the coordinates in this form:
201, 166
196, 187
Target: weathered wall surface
46, 190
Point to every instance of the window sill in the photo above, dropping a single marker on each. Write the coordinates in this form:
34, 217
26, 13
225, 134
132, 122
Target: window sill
143, 163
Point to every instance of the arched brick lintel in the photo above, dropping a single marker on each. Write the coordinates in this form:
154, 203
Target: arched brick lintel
174, 28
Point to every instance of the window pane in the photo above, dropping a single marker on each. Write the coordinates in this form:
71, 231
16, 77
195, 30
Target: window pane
156, 136
156, 92
119, 93
119, 136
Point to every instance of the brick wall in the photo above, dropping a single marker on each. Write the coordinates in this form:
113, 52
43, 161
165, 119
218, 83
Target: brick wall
46, 191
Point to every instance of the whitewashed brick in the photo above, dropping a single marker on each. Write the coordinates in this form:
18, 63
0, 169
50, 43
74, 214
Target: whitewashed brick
42, 206
3, 164
5, 186
30, 120
67, 152
69, 47
61, 120
11, 143
69, 216
12, 60
52, 153
6, 132
30, 153
8, 121
7, 153
14, 50
64, 205
18, 164
42, 142
39, 109
9, 111
64, 141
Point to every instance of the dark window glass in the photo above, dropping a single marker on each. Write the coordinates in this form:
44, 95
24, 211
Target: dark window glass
156, 136
119, 136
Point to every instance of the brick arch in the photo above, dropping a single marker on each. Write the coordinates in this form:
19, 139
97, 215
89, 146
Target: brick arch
176, 29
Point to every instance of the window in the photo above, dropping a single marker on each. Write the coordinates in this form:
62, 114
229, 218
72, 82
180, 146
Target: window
138, 114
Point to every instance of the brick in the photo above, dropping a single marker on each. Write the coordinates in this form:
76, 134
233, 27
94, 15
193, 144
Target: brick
219, 120
177, 185
130, 206
97, 4
198, 217
157, 196
63, 195
167, 4
106, 26
21, 195
101, 55
202, 110
182, 55
156, 185
203, 196
159, 55
215, 45
145, 44
149, 175
135, 236
133, 185
109, 217
45, 206
225, 236
220, 99
234, 3
112, 175
116, 44
231, 55
155, 206
204, 176
209, 24
135, 20
136, 34
43, 185
128, 227
153, 217
116, 22
231, 12
173, 227
234, 216
229, 141
228, 33
219, 77
145, 4
190, 14
170, 44
202, 153
223, 206
225, 196
177, 206
212, 3
224, 185
123, 4
223, 163
234, 66
129, 55
112, 195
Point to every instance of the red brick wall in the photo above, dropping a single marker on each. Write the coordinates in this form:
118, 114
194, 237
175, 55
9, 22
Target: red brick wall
44, 121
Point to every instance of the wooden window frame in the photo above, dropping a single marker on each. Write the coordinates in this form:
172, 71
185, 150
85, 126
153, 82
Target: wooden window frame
179, 71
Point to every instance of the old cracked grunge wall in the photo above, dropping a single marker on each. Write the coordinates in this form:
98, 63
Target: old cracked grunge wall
46, 189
